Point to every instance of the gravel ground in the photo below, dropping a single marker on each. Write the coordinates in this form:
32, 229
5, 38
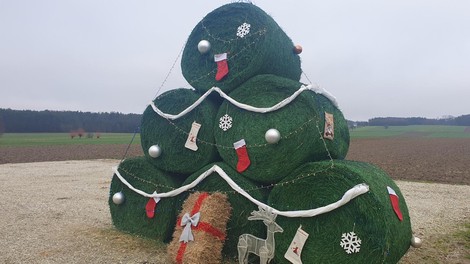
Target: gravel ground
57, 212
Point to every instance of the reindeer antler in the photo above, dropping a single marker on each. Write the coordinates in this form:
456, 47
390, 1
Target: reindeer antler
263, 214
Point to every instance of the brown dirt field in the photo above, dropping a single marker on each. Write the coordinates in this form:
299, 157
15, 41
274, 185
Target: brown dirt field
405, 158
67, 152
440, 160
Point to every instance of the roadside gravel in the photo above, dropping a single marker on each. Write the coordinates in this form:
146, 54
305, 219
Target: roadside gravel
57, 212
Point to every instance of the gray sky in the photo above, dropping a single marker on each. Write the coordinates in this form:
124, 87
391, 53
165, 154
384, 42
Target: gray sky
379, 58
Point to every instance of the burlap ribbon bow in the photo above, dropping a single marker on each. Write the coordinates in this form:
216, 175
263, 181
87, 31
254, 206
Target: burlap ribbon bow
188, 221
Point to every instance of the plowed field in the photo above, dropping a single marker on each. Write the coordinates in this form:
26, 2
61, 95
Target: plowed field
440, 160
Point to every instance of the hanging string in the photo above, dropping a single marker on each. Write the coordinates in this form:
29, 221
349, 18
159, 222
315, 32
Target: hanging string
137, 130
170, 71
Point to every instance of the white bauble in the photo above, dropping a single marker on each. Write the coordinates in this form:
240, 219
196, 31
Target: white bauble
155, 151
118, 198
272, 136
416, 242
203, 46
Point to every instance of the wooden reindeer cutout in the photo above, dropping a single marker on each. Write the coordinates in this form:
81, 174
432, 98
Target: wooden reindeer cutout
264, 248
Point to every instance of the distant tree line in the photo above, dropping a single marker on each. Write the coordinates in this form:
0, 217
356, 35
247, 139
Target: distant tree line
28, 121
463, 120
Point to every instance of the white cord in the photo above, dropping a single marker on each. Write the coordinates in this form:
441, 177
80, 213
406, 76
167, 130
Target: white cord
347, 196
250, 108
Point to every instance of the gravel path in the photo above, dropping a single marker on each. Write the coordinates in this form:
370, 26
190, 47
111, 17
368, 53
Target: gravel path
57, 212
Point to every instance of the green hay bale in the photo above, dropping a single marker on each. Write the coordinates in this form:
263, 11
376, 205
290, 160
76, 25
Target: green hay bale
299, 123
384, 238
131, 216
171, 135
266, 49
241, 207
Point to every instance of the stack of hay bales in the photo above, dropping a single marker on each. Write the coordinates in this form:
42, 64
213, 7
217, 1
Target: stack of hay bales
302, 169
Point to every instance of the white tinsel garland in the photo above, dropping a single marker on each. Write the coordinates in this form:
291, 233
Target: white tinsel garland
348, 195
250, 108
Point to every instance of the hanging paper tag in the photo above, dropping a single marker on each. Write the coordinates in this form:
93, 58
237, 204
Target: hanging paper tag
191, 140
329, 126
294, 251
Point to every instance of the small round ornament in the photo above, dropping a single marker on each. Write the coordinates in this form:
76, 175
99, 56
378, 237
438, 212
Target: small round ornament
155, 151
416, 242
272, 136
203, 46
297, 49
118, 198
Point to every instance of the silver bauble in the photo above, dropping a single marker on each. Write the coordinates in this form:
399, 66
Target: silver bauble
118, 198
155, 151
416, 242
203, 46
272, 136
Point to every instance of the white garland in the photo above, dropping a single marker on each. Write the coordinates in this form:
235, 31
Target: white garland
347, 196
250, 108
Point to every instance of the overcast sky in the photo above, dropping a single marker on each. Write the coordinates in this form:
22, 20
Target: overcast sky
379, 58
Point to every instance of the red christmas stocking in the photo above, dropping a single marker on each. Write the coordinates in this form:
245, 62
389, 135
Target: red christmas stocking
395, 204
222, 66
242, 153
150, 206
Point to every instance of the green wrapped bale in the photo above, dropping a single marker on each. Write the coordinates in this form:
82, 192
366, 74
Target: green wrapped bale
241, 207
254, 43
384, 238
300, 123
171, 135
130, 216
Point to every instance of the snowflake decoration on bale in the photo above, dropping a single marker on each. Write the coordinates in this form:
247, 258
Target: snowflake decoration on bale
225, 122
243, 30
350, 242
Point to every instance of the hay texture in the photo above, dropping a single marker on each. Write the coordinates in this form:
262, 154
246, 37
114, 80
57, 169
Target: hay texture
209, 232
241, 207
171, 135
131, 215
265, 49
384, 238
300, 123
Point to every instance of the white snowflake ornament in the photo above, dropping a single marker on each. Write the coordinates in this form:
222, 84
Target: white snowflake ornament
225, 122
350, 242
243, 30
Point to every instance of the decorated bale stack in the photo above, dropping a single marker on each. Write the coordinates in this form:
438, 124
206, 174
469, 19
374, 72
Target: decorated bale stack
234, 43
182, 145
132, 212
368, 229
277, 142
241, 206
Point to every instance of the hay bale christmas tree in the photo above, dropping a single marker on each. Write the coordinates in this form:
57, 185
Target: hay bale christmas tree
287, 192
